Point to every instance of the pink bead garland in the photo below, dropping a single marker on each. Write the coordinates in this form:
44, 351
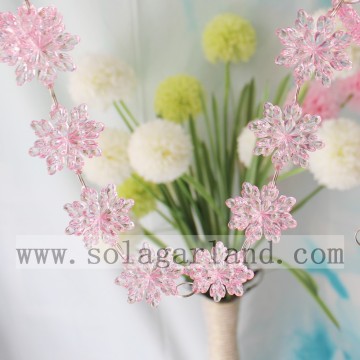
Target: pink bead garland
35, 41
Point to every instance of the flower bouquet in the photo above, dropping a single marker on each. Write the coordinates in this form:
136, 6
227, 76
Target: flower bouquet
198, 150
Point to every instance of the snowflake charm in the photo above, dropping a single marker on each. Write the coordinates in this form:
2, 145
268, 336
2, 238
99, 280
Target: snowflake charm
99, 216
221, 271
150, 275
286, 133
314, 48
261, 213
350, 19
34, 40
66, 139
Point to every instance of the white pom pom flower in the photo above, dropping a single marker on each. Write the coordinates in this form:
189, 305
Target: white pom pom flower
245, 146
160, 151
337, 165
101, 80
113, 166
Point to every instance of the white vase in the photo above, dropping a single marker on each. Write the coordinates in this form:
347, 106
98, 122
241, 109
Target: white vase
222, 324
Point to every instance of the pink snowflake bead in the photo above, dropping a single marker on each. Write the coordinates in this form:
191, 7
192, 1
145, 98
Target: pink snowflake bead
66, 139
314, 48
350, 19
35, 42
220, 271
287, 134
99, 216
149, 276
261, 213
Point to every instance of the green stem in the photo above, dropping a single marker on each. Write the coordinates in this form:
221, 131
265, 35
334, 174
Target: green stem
208, 127
307, 198
202, 191
166, 218
217, 129
226, 169
154, 238
226, 108
290, 173
129, 113
117, 107
195, 142
303, 92
346, 101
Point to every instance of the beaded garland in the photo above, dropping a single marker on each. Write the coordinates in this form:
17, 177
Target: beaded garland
35, 42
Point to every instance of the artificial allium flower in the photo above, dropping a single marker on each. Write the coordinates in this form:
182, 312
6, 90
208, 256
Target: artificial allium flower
314, 48
137, 189
350, 19
147, 279
288, 134
178, 98
113, 166
101, 80
99, 216
34, 40
229, 38
245, 146
261, 213
337, 166
322, 101
220, 271
66, 139
349, 91
160, 151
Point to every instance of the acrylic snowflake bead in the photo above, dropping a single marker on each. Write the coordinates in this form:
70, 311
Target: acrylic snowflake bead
314, 48
261, 213
150, 275
99, 216
35, 41
287, 134
350, 19
66, 139
220, 271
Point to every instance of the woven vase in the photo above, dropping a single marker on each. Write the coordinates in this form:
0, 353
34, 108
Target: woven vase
222, 324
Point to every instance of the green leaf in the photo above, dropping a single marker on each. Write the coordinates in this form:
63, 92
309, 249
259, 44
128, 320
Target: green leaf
202, 191
293, 172
219, 148
239, 115
154, 238
303, 92
307, 198
311, 286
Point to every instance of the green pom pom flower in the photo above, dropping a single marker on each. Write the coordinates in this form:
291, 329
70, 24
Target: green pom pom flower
229, 38
178, 98
144, 200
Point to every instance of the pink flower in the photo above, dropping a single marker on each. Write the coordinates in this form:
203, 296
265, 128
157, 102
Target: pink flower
99, 216
66, 139
350, 19
261, 213
287, 134
156, 273
349, 90
322, 101
220, 271
34, 40
314, 48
